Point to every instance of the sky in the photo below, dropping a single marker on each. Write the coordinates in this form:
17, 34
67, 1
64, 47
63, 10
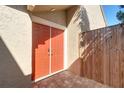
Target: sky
110, 14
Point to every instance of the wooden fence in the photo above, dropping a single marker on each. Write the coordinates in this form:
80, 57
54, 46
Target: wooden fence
102, 52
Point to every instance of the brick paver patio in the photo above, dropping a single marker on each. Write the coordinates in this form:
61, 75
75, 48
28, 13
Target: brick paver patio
67, 79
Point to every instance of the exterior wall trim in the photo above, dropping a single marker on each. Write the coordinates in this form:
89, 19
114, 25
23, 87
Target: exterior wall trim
52, 24
103, 15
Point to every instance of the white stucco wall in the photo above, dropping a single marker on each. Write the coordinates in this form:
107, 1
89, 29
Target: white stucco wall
96, 20
72, 37
15, 44
16, 40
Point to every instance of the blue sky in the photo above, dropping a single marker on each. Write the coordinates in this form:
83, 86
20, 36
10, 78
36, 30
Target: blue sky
110, 14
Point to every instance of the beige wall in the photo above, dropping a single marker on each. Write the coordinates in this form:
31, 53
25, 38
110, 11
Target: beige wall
16, 43
92, 18
58, 17
16, 39
72, 35
15, 47
95, 16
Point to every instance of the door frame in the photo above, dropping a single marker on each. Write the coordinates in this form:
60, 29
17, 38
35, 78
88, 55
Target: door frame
40, 20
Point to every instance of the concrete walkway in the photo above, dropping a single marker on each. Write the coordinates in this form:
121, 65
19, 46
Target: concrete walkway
67, 79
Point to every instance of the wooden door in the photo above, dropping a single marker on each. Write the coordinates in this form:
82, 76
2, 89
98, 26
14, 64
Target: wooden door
57, 49
47, 50
40, 46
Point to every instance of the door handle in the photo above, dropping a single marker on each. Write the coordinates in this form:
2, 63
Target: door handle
49, 51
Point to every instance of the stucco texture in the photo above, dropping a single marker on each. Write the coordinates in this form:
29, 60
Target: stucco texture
96, 18
15, 48
81, 18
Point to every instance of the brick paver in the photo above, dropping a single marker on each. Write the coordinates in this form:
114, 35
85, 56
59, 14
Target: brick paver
67, 79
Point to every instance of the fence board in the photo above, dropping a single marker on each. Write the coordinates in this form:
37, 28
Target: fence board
102, 53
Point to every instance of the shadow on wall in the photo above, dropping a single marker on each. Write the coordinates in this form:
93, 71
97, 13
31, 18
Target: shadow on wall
78, 16
11, 75
22, 8
77, 67
82, 16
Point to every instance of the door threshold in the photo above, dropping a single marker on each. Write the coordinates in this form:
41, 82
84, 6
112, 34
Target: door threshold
44, 77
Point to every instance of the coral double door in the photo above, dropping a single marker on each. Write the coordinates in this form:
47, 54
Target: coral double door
47, 50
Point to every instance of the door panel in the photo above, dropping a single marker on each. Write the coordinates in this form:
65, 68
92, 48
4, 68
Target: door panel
57, 48
40, 57
42, 61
